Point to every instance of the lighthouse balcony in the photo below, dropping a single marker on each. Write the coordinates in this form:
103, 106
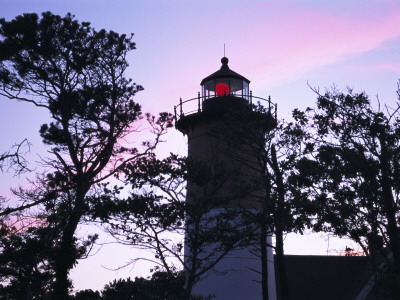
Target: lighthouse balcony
206, 105
215, 103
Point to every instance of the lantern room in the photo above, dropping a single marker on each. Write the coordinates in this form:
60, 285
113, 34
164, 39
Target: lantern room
225, 82
222, 92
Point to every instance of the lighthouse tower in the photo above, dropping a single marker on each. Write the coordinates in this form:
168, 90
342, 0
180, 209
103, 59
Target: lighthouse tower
225, 187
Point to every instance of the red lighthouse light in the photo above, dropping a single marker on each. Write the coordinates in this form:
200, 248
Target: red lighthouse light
221, 89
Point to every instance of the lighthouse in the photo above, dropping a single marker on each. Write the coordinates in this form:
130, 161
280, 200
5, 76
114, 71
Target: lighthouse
225, 131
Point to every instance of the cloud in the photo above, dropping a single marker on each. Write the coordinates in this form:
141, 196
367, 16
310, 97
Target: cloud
304, 40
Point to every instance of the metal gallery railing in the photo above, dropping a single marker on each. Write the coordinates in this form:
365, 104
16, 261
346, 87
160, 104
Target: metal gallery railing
194, 105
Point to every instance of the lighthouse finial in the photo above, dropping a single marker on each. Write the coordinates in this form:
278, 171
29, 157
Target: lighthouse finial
224, 62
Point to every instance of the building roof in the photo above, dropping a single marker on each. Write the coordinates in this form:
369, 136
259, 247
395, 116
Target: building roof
326, 277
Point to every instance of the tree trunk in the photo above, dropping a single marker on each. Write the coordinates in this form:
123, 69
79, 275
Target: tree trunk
66, 252
283, 287
65, 259
388, 203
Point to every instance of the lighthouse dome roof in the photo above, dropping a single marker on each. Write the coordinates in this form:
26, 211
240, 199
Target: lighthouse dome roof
224, 72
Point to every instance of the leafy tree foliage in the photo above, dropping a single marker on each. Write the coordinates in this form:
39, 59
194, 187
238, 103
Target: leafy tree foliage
78, 75
25, 263
277, 146
156, 217
352, 170
88, 295
281, 212
161, 286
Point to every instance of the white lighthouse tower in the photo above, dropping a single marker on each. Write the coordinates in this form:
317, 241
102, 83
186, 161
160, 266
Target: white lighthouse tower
224, 188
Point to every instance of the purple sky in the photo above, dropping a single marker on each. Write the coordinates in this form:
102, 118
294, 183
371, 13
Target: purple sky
278, 45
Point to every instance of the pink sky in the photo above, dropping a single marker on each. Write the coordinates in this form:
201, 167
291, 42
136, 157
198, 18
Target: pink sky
278, 45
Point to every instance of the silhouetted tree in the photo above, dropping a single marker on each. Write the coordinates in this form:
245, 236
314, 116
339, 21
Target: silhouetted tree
161, 286
273, 148
88, 295
26, 259
157, 218
352, 171
78, 75
15, 157
291, 211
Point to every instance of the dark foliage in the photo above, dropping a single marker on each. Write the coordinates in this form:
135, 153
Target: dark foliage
78, 75
26, 262
161, 286
351, 171
87, 295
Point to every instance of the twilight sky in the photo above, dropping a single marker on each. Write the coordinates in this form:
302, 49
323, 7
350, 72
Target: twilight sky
280, 46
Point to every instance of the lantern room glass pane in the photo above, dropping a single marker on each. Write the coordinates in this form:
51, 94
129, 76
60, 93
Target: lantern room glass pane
236, 86
208, 89
209, 85
245, 90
